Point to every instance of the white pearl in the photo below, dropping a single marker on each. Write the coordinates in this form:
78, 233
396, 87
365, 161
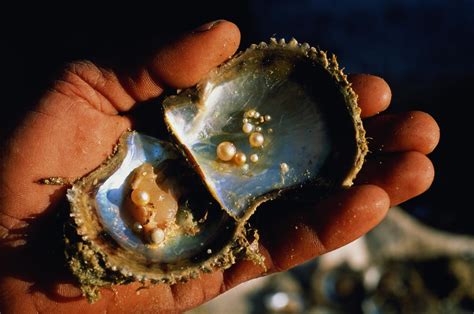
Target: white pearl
140, 197
258, 129
137, 227
157, 235
256, 139
247, 127
245, 120
240, 159
268, 117
254, 158
226, 151
256, 115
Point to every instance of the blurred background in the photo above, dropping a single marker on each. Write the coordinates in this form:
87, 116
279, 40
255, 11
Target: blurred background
424, 51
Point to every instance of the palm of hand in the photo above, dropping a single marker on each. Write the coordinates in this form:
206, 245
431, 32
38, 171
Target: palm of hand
75, 126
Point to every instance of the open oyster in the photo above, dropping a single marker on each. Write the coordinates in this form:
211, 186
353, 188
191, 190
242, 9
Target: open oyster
275, 118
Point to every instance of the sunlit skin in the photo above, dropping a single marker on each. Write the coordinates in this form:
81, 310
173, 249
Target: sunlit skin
74, 127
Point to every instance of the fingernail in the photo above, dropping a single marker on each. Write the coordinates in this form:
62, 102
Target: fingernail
207, 26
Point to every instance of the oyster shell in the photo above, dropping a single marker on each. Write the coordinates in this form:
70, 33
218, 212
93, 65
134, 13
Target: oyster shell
273, 119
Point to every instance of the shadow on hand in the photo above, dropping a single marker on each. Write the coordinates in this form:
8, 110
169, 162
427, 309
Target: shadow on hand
34, 253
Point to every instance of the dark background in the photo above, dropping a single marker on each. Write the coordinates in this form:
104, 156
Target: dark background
424, 50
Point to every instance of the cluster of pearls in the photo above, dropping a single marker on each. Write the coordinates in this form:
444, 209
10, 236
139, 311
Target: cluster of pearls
142, 198
251, 125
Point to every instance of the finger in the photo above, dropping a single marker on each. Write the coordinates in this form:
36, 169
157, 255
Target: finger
409, 131
245, 270
161, 297
149, 298
179, 64
184, 62
403, 176
374, 93
294, 235
335, 222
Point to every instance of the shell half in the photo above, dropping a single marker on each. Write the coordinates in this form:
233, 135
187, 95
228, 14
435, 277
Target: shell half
313, 135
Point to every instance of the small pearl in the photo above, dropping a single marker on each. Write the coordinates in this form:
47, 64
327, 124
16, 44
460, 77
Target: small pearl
245, 120
140, 197
268, 117
240, 159
254, 158
256, 115
247, 127
226, 151
256, 139
250, 113
284, 168
157, 235
137, 227
258, 129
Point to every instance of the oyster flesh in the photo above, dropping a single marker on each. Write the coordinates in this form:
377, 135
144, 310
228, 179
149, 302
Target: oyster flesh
274, 119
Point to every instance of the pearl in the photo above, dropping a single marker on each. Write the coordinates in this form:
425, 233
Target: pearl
250, 113
258, 129
137, 227
268, 117
240, 159
157, 235
245, 120
256, 115
254, 158
284, 168
226, 151
140, 197
256, 139
247, 127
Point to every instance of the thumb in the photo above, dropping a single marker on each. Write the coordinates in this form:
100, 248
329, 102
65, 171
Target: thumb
179, 64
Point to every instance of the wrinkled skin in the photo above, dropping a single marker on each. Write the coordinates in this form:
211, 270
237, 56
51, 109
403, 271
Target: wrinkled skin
74, 127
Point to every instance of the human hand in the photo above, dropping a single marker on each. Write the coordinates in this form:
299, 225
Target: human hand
74, 127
